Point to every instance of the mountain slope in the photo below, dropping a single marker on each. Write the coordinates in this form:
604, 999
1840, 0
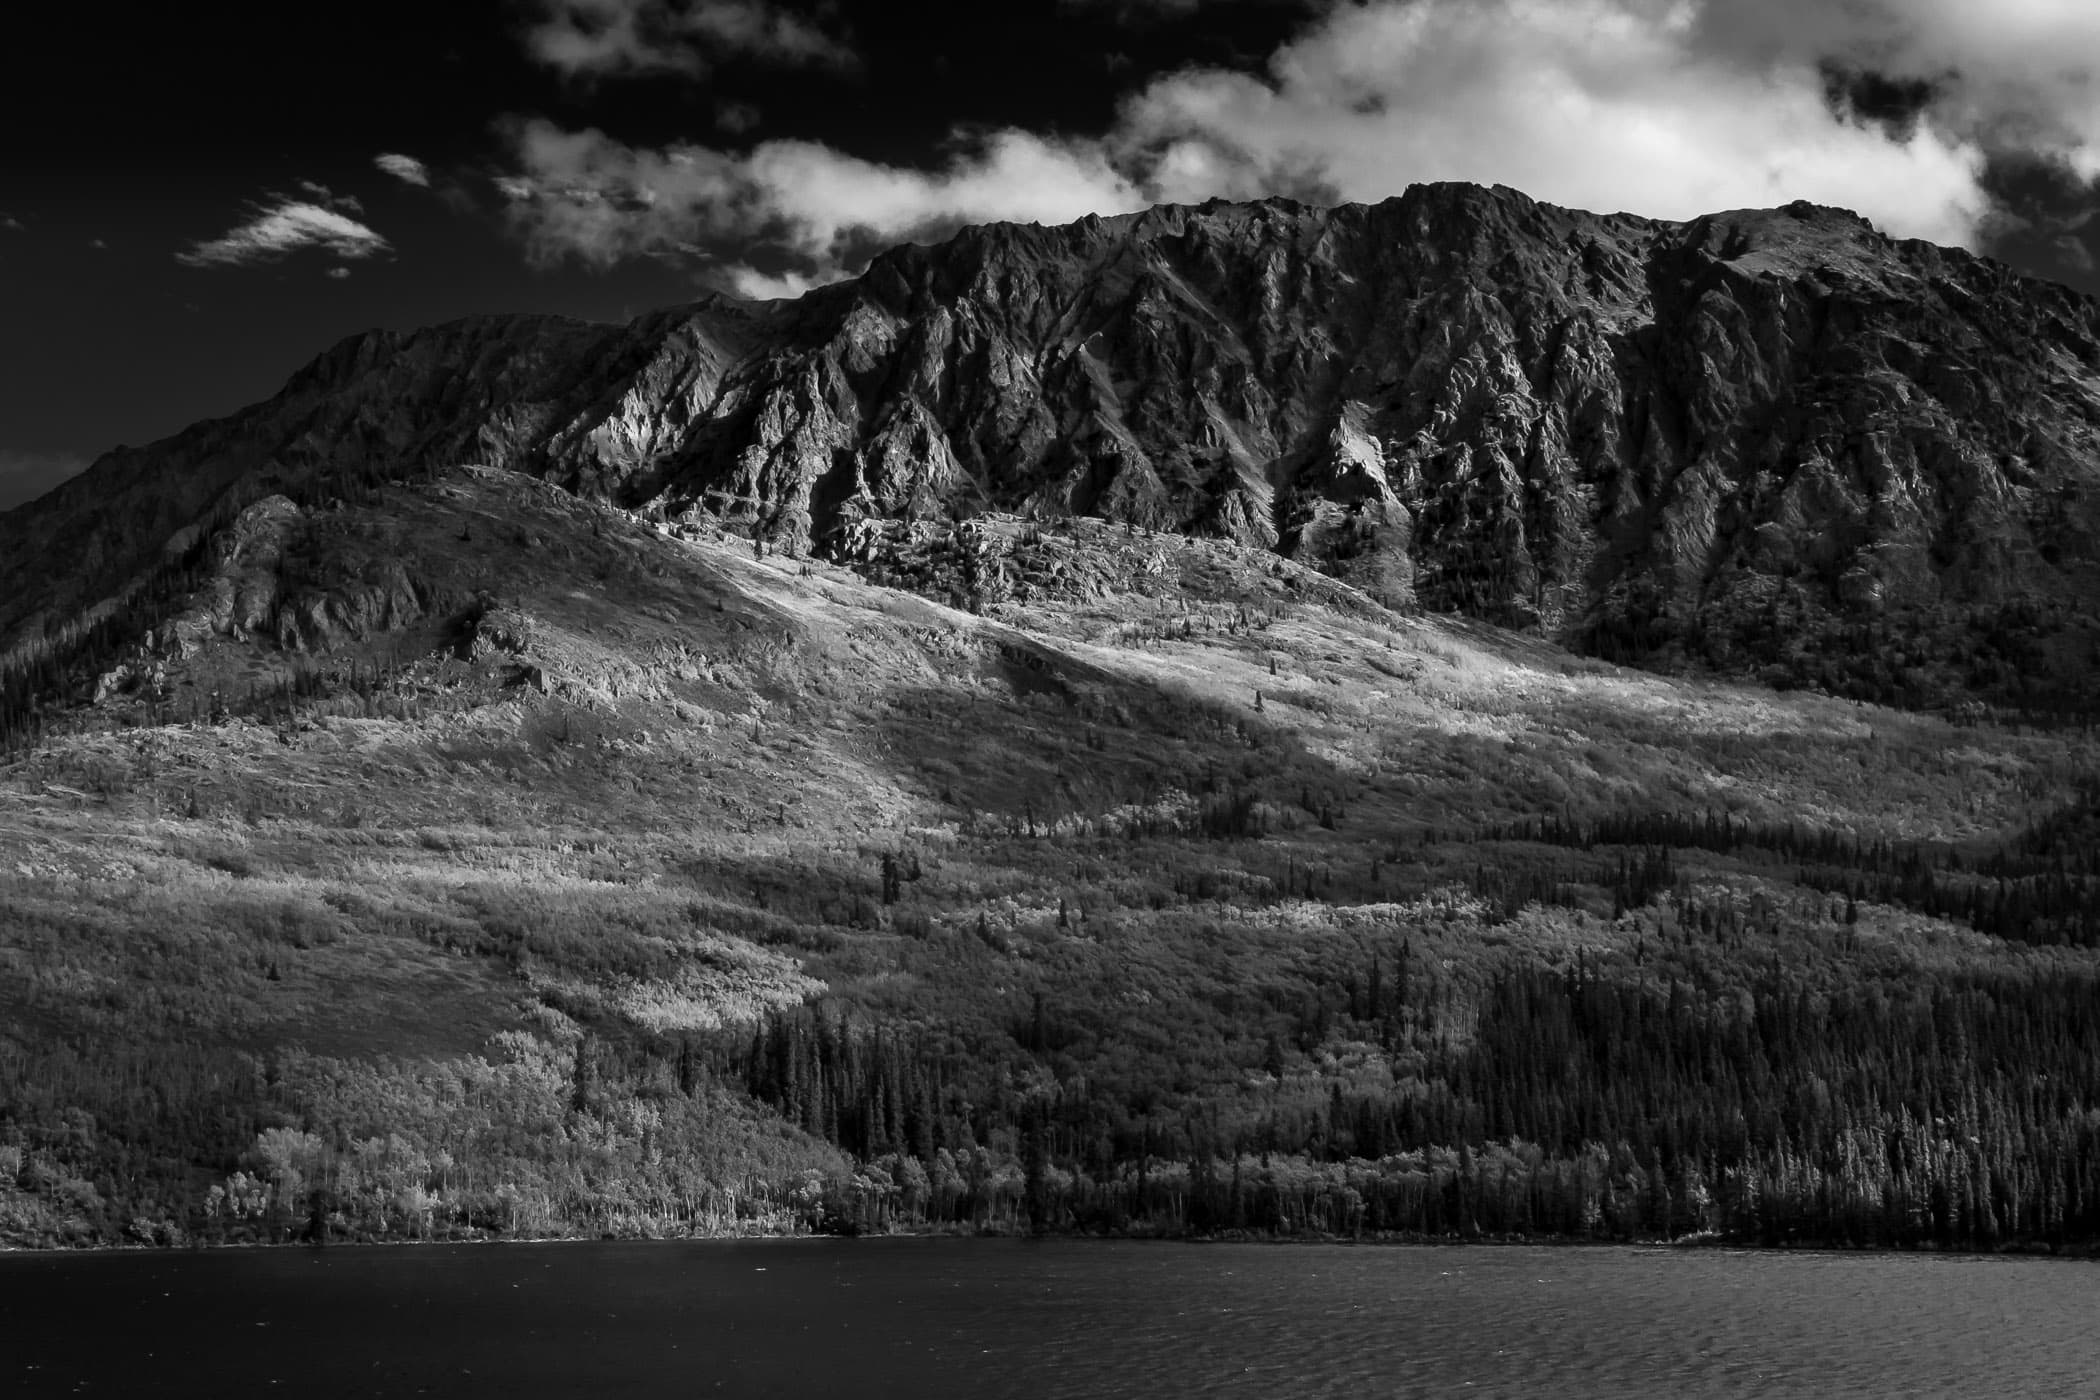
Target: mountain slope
459, 859
1773, 442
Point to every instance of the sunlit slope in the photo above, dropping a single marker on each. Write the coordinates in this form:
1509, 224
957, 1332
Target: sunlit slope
577, 712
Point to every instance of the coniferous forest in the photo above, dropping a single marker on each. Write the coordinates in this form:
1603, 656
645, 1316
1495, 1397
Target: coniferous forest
1586, 1109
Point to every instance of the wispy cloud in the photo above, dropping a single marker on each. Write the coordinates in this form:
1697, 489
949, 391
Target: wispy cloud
406, 169
10, 224
282, 226
617, 38
321, 194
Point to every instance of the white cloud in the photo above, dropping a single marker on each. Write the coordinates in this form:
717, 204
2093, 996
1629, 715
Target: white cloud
2009, 74
10, 224
320, 194
620, 38
281, 227
587, 196
822, 194
1601, 104
768, 286
406, 169
337, 273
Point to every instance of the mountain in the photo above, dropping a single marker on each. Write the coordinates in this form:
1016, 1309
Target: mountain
986, 748
1771, 443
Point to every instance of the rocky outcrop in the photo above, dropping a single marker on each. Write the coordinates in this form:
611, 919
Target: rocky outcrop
240, 599
1771, 441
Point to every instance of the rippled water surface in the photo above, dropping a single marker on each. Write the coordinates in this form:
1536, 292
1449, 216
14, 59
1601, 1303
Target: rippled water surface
931, 1318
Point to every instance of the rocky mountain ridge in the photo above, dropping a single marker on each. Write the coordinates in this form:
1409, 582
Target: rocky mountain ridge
1771, 442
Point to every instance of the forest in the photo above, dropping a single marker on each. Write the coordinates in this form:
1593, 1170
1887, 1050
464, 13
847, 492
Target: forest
1947, 1116
1691, 1082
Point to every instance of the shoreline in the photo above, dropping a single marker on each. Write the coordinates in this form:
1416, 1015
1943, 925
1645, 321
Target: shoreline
1687, 1246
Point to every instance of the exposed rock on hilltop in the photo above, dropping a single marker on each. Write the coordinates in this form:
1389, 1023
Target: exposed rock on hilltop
1772, 441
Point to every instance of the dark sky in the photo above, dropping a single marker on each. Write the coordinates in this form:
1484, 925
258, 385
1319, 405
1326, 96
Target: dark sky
192, 202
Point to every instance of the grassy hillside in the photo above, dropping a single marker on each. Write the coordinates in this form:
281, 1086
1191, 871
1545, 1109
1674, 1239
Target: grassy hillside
466, 858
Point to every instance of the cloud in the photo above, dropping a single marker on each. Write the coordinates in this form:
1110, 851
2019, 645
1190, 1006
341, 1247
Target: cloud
586, 196
770, 286
281, 227
2010, 75
406, 169
626, 38
26, 475
1900, 109
10, 224
337, 273
1603, 104
347, 203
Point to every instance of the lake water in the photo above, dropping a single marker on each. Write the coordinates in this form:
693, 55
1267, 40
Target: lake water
934, 1318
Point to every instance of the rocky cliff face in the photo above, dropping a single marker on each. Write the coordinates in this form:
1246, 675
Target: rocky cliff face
1771, 441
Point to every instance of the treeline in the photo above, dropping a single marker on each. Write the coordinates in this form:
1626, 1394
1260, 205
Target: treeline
1960, 1112
1632, 881
2041, 887
179, 1144
1594, 1102
1991, 661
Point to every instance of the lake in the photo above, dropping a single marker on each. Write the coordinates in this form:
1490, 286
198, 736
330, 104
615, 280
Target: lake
931, 1317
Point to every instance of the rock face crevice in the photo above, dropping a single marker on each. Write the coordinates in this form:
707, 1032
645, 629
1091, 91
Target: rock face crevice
1772, 440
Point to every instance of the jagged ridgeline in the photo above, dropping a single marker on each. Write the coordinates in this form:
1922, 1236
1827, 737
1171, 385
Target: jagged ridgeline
1771, 442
